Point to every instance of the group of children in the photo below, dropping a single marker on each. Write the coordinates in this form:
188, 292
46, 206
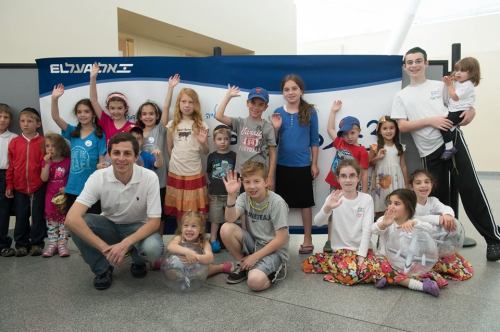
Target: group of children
260, 243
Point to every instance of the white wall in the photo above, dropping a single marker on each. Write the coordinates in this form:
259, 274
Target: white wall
33, 29
478, 39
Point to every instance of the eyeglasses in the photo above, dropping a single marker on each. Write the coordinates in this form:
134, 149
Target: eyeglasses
417, 62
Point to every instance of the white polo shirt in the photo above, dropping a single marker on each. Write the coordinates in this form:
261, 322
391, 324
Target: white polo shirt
134, 202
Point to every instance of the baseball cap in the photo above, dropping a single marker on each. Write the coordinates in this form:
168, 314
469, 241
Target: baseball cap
260, 93
346, 124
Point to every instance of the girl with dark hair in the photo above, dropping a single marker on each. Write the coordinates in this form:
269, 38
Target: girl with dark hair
296, 126
87, 143
388, 159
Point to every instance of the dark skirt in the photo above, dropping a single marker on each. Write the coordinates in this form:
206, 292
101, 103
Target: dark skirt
295, 185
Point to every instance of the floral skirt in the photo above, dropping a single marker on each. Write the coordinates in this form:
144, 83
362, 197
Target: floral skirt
393, 276
454, 267
342, 267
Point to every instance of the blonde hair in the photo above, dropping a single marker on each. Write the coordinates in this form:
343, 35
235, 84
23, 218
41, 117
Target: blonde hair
470, 65
251, 167
4, 108
200, 218
197, 118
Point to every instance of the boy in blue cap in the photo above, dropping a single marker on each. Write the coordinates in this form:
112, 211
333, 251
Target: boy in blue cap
256, 138
345, 141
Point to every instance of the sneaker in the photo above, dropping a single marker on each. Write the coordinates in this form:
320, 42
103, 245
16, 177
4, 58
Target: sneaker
430, 287
381, 283
62, 247
50, 250
36, 250
104, 280
493, 252
278, 275
328, 247
138, 270
447, 154
215, 246
8, 252
21, 252
237, 275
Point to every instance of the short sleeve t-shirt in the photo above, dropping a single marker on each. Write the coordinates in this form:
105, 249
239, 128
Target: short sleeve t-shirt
417, 102
218, 165
85, 154
254, 140
345, 151
186, 157
265, 218
108, 126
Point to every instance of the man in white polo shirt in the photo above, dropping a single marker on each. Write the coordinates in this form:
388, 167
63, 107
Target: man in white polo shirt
130, 218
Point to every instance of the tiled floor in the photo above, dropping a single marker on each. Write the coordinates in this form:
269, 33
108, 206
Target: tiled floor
56, 294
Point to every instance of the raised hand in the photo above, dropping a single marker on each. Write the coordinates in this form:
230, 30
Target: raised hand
57, 91
232, 183
334, 200
174, 80
408, 226
232, 91
47, 158
276, 120
336, 106
388, 217
202, 135
95, 70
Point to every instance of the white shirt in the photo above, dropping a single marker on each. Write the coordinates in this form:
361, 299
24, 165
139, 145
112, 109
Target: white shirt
351, 223
129, 203
432, 210
466, 97
419, 102
5, 139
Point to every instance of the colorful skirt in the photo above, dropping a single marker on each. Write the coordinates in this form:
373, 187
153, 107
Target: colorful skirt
393, 276
342, 267
185, 193
454, 267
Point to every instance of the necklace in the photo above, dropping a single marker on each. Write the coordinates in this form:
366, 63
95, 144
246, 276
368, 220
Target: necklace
255, 206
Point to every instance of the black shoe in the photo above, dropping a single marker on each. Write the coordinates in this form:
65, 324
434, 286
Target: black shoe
138, 270
493, 252
36, 250
21, 251
104, 280
237, 275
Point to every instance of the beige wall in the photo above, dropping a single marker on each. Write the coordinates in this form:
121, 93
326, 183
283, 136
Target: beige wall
477, 36
33, 29
149, 47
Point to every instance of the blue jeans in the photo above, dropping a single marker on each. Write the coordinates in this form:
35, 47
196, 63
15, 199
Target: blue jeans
148, 249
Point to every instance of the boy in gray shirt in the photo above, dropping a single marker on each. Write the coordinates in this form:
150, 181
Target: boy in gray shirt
262, 249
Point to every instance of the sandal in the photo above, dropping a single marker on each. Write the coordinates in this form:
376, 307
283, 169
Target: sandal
305, 250
8, 252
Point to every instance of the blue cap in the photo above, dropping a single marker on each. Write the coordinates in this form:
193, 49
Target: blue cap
260, 93
346, 124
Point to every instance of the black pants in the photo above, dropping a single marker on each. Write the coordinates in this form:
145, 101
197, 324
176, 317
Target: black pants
449, 135
30, 205
459, 173
5, 205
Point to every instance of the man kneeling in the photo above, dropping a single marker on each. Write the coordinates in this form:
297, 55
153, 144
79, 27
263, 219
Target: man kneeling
130, 218
261, 248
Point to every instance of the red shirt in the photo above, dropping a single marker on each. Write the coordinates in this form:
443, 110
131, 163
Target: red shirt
346, 151
25, 164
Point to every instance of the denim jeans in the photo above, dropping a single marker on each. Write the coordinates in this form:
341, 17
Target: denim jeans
32, 205
148, 249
